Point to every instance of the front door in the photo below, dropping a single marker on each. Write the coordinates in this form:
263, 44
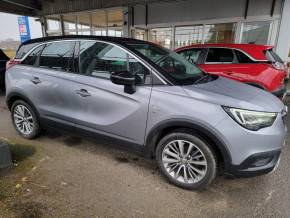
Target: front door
103, 107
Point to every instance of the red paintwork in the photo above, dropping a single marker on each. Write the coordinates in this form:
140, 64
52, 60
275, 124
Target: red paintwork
263, 74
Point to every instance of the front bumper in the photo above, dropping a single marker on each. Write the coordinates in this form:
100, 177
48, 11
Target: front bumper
255, 165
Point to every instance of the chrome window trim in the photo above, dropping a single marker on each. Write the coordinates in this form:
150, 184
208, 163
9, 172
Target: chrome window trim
151, 69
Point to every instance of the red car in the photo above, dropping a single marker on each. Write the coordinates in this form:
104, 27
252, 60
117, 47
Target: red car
256, 65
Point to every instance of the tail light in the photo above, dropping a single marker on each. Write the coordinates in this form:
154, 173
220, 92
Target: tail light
11, 63
279, 66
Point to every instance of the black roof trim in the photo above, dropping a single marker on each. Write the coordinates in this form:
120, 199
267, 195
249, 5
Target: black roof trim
104, 38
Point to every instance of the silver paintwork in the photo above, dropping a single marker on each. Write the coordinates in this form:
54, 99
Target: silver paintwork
110, 111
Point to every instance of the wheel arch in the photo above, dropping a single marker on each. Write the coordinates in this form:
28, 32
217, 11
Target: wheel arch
14, 96
168, 126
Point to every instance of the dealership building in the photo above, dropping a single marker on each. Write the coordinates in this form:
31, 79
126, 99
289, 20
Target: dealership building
172, 24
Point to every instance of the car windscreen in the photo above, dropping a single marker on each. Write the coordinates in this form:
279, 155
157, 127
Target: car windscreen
272, 56
172, 65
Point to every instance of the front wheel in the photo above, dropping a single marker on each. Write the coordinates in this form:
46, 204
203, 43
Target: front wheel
25, 120
186, 160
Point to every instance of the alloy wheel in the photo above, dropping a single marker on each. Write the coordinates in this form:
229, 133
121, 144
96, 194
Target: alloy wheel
23, 120
184, 161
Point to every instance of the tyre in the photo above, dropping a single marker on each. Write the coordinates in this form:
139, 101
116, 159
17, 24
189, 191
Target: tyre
25, 120
186, 160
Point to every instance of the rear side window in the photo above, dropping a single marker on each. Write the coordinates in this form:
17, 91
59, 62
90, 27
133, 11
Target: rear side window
191, 55
243, 58
32, 57
58, 56
24, 49
272, 56
220, 55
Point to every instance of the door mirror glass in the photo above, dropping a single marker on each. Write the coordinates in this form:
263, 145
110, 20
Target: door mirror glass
126, 79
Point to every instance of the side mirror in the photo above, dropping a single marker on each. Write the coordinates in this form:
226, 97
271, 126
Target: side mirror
126, 79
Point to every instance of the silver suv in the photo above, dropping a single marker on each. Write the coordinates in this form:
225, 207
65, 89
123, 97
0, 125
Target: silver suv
149, 99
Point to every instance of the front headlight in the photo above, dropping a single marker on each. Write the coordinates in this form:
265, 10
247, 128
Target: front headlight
252, 120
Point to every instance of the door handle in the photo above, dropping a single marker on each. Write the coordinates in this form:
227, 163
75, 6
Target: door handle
35, 80
83, 93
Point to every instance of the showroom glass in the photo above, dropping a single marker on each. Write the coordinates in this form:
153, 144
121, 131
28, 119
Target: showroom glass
161, 36
115, 22
83, 24
172, 65
58, 56
139, 34
220, 55
188, 35
256, 32
220, 33
32, 57
69, 24
99, 23
191, 55
53, 26
99, 59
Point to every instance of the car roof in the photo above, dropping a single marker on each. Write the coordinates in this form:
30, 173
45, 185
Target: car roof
255, 51
76, 37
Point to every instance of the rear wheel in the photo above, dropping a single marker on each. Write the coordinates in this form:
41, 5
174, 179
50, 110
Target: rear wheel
186, 160
25, 120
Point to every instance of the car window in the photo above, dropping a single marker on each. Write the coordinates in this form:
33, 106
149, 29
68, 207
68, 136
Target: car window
58, 56
220, 55
99, 59
243, 58
32, 57
272, 56
171, 65
24, 49
191, 55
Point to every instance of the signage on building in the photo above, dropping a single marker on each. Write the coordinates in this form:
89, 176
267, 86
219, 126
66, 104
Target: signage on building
24, 30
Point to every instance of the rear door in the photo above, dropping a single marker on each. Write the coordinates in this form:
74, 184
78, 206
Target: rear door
99, 106
51, 82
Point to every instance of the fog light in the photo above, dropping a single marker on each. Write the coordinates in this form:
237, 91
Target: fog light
262, 161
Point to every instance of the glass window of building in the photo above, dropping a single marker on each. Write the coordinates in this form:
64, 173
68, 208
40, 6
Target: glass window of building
220, 33
69, 24
188, 35
139, 34
161, 36
256, 32
115, 22
53, 26
83, 24
99, 23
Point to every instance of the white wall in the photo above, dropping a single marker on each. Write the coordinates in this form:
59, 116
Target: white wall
283, 43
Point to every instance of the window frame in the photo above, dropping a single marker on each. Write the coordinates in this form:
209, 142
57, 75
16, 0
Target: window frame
72, 57
152, 75
202, 56
211, 63
37, 58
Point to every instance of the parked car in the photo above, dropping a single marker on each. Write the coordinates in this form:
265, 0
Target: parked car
3, 61
256, 65
147, 98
